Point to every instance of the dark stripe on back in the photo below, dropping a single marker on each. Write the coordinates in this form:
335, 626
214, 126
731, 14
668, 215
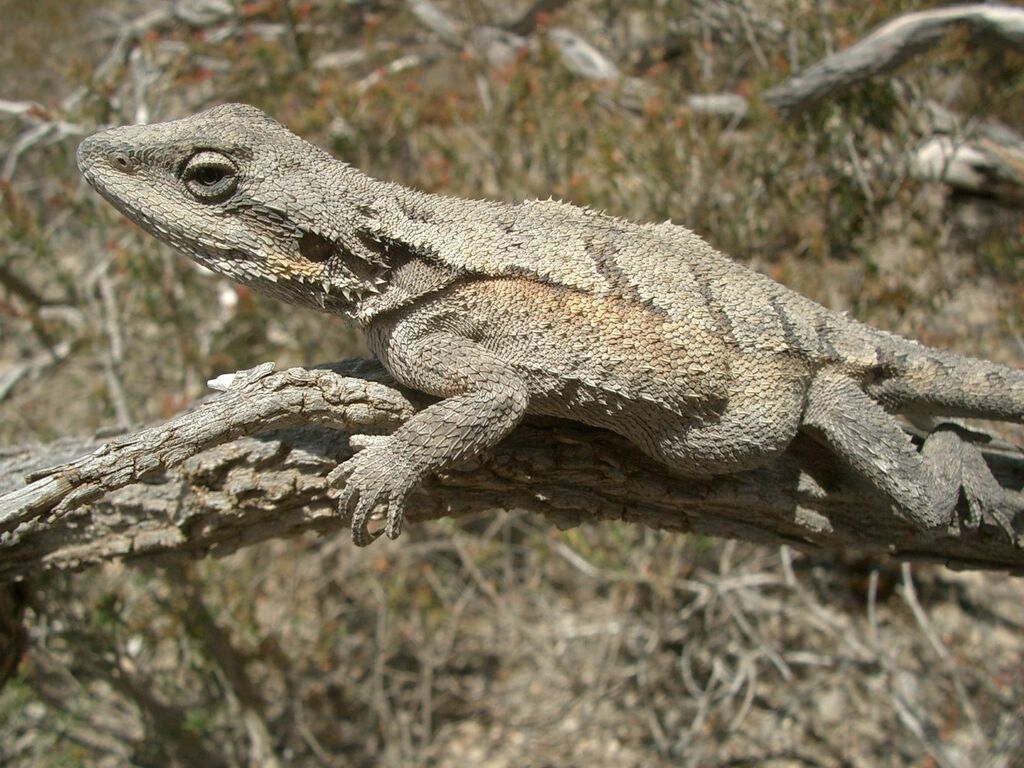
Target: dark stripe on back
714, 307
603, 252
823, 329
789, 333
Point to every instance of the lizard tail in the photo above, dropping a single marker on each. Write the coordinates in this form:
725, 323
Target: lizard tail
912, 378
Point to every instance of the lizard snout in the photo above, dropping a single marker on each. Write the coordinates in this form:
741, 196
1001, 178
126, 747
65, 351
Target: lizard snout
99, 148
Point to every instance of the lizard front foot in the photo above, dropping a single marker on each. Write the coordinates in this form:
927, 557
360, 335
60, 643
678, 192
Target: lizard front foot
375, 484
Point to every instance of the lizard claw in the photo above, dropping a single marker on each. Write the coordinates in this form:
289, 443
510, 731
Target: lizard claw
362, 516
374, 486
393, 528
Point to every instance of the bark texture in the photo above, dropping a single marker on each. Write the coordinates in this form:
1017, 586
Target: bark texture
890, 45
250, 464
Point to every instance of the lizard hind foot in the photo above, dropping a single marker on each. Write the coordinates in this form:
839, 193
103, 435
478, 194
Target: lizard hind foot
989, 505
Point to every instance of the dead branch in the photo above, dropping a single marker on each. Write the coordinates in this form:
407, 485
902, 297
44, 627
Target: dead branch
985, 158
892, 44
202, 484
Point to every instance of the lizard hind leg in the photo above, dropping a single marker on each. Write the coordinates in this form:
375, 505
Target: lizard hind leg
923, 487
753, 427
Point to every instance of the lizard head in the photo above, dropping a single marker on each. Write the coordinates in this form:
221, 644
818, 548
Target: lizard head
242, 195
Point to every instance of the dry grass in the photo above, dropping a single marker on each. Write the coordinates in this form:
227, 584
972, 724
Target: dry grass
492, 641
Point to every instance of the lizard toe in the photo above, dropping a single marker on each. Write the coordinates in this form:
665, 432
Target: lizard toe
361, 516
338, 476
394, 521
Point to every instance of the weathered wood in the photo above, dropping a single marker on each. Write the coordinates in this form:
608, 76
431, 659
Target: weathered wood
200, 484
890, 45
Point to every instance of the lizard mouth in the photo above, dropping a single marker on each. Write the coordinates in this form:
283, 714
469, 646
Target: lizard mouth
133, 213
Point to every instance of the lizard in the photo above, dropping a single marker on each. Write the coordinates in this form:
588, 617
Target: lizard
501, 310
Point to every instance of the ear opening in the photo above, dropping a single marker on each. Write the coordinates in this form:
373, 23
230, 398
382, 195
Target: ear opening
316, 247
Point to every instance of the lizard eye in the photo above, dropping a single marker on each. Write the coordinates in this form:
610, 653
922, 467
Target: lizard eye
210, 176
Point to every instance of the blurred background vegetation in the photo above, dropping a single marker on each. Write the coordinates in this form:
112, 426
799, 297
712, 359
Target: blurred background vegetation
498, 640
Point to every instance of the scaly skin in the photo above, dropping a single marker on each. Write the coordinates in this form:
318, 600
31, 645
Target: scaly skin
543, 307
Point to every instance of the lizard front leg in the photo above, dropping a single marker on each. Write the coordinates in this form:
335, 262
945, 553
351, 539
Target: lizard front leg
484, 400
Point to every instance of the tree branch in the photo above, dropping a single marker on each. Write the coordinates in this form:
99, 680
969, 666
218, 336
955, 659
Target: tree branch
889, 46
201, 484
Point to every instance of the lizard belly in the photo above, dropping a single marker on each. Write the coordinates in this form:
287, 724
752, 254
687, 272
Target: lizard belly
591, 357
676, 387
